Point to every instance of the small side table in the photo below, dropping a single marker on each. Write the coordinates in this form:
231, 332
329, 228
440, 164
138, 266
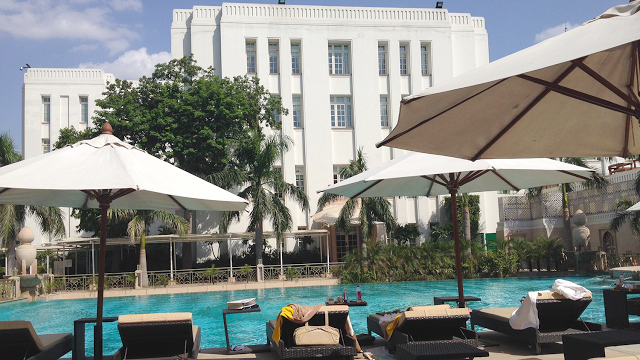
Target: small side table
249, 349
439, 300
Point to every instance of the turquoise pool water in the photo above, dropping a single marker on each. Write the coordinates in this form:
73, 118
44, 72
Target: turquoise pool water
58, 316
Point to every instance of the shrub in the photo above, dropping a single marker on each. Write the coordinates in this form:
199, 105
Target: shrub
499, 263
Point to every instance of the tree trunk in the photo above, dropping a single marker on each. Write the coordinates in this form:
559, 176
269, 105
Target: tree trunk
259, 242
466, 223
187, 259
566, 216
11, 257
144, 278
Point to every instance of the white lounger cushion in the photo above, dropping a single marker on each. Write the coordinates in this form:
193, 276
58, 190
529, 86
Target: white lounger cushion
159, 317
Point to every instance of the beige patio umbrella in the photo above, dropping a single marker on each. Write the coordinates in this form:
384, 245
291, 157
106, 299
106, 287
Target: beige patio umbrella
574, 95
418, 174
104, 173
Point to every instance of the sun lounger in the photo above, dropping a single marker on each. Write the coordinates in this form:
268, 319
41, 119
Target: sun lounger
18, 340
148, 336
436, 323
287, 349
557, 315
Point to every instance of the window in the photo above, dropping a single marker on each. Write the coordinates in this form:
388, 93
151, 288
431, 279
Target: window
46, 146
382, 60
384, 111
300, 177
84, 109
251, 57
424, 59
341, 111
46, 109
295, 58
346, 243
336, 173
276, 113
404, 69
273, 58
297, 112
338, 59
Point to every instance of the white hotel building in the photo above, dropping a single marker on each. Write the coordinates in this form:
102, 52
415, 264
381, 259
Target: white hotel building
341, 72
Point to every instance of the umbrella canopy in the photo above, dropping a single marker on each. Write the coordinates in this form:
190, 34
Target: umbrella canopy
418, 174
635, 207
330, 214
574, 95
105, 172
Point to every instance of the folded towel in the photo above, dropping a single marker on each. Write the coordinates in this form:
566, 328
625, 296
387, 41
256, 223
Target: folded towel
527, 314
568, 289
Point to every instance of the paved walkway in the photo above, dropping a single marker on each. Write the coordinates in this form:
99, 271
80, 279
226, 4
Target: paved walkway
503, 348
181, 289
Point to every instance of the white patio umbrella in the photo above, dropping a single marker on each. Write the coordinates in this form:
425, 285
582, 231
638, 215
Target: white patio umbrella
574, 95
418, 174
104, 173
634, 207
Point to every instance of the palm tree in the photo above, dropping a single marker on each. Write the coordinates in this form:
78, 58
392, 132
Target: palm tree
622, 216
137, 228
372, 209
265, 187
50, 220
466, 217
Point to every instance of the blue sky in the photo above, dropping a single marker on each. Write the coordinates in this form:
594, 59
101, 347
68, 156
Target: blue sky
127, 37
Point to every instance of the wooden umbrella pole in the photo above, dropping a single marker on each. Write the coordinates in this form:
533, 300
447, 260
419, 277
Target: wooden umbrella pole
97, 336
456, 239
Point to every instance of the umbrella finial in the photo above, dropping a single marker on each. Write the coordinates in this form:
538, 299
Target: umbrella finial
107, 129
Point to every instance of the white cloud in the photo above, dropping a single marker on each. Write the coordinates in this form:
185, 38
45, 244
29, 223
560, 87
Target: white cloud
120, 5
67, 19
557, 30
132, 64
84, 48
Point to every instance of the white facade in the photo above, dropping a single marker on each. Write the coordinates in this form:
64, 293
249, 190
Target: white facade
53, 99
420, 47
234, 37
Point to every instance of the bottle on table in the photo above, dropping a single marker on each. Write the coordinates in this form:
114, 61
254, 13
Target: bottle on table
345, 295
358, 293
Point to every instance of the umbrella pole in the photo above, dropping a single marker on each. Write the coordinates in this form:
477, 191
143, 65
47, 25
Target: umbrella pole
97, 335
456, 240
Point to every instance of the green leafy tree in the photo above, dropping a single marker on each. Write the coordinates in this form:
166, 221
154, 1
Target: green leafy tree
404, 234
71, 136
50, 220
265, 187
468, 214
372, 209
189, 117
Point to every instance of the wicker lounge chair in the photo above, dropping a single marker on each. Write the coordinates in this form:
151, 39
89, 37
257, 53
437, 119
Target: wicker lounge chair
436, 323
149, 336
287, 349
18, 340
557, 315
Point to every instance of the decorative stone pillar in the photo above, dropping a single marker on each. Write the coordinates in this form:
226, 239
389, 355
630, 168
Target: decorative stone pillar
25, 252
580, 233
260, 271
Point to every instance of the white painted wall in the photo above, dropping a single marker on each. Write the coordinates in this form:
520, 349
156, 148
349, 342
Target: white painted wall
458, 43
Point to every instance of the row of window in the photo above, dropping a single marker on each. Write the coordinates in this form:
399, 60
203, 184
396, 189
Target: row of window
46, 109
339, 58
341, 111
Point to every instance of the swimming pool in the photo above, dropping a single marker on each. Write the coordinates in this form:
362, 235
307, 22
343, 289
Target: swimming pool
58, 316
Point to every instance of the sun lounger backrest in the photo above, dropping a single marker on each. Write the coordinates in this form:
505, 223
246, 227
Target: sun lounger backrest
429, 307
442, 323
337, 319
18, 340
556, 312
156, 335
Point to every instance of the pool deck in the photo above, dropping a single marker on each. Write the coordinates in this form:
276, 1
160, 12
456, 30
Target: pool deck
198, 288
507, 348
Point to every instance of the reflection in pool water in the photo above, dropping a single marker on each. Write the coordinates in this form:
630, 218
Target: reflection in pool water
58, 316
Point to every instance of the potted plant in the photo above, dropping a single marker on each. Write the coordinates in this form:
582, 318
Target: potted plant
212, 272
291, 274
246, 270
